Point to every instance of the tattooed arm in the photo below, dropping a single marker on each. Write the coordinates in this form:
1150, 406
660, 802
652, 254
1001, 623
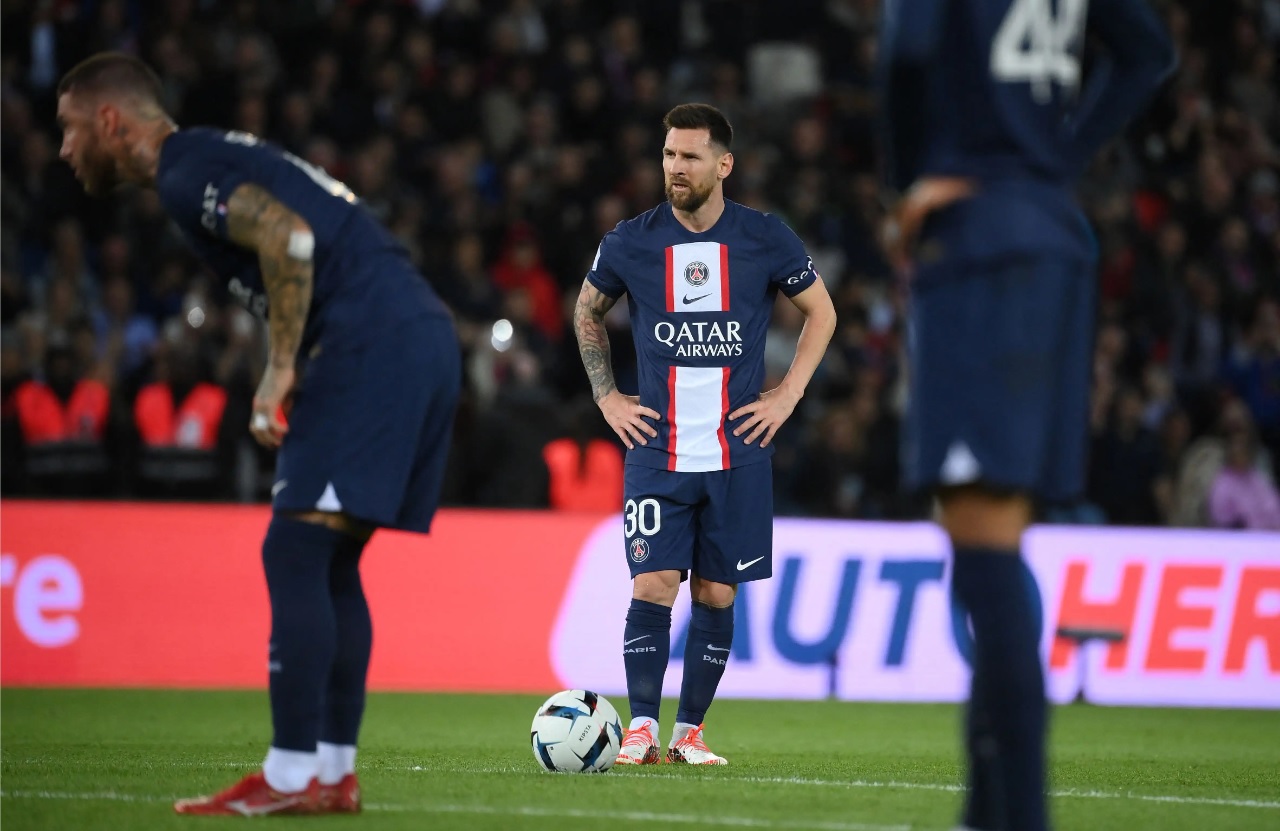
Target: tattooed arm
258, 221
593, 340
624, 413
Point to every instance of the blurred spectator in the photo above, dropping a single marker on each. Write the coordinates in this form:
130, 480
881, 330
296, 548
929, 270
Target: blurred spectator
1241, 496
1205, 458
1125, 463
62, 418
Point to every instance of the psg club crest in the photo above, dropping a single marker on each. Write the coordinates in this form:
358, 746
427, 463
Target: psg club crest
696, 274
639, 550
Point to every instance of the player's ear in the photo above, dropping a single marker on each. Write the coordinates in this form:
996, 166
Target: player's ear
725, 165
107, 120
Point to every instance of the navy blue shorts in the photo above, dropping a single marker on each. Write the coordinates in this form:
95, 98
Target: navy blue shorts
717, 524
371, 425
1000, 375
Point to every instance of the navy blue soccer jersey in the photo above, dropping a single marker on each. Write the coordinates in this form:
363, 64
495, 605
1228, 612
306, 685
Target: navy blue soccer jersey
994, 90
362, 276
700, 305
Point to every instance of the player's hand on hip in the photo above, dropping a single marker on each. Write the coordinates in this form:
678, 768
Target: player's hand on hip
932, 193
767, 413
626, 415
267, 423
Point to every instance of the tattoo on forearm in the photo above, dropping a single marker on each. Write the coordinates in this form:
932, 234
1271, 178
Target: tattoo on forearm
593, 339
257, 220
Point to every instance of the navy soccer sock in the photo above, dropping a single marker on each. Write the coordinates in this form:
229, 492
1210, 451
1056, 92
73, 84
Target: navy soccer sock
296, 557
345, 694
1008, 714
646, 649
706, 652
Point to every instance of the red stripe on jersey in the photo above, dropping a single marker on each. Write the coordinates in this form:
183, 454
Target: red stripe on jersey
671, 396
724, 286
671, 294
724, 403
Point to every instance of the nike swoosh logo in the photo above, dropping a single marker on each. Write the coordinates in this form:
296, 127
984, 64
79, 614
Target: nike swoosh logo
633, 640
279, 486
240, 806
687, 299
744, 566
717, 648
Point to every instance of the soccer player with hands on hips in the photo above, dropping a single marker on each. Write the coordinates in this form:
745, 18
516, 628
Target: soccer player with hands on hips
701, 274
368, 354
989, 119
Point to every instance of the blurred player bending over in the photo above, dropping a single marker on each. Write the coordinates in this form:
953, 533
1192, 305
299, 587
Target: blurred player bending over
988, 125
371, 357
702, 274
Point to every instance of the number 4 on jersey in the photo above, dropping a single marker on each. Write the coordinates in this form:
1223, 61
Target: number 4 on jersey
1035, 46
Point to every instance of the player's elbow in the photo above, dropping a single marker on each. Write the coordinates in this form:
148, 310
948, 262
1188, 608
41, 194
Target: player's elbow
821, 315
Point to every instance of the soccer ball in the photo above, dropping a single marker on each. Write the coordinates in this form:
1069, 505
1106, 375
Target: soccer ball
576, 731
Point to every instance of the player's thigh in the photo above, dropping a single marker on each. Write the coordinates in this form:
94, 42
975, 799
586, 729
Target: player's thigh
735, 527
359, 405
983, 340
658, 519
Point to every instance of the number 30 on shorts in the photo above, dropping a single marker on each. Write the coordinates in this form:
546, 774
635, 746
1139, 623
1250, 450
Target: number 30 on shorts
644, 516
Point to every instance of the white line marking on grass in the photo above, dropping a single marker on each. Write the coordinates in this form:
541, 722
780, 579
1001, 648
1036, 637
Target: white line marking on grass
523, 811
642, 816
1179, 800
889, 785
101, 796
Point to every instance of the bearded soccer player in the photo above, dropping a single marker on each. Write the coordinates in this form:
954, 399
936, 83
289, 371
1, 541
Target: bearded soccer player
990, 119
701, 274
370, 356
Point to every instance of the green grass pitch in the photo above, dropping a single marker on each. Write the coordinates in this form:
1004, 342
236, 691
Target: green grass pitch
92, 759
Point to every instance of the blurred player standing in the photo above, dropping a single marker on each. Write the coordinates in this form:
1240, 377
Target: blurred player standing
701, 273
370, 355
989, 121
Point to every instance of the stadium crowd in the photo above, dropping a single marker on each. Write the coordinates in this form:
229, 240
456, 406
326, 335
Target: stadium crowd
500, 139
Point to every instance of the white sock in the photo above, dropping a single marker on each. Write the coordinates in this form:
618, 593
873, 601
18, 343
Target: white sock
336, 761
653, 726
290, 771
682, 730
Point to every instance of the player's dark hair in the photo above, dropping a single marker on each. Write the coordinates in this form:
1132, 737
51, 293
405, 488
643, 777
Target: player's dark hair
701, 117
112, 72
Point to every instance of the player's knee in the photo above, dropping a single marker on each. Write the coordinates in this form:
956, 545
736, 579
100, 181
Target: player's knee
659, 587
342, 523
975, 515
715, 595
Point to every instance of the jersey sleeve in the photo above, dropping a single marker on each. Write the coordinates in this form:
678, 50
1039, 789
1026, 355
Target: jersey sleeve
195, 188
602, 274
794, 271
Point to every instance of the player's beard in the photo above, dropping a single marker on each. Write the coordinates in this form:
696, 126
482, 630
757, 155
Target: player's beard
688, 200
99, 173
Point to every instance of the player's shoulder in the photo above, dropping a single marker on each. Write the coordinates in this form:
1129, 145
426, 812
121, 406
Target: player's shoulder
758, 225
634, 233
654, 219
210, 144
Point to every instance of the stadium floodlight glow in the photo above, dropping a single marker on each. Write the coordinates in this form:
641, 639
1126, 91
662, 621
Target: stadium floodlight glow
502, 334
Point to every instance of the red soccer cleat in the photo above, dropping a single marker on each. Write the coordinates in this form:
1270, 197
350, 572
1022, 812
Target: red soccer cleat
253, 797
342, 798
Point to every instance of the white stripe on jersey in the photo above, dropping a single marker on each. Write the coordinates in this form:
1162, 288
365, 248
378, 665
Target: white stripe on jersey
697, 277
699, 396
